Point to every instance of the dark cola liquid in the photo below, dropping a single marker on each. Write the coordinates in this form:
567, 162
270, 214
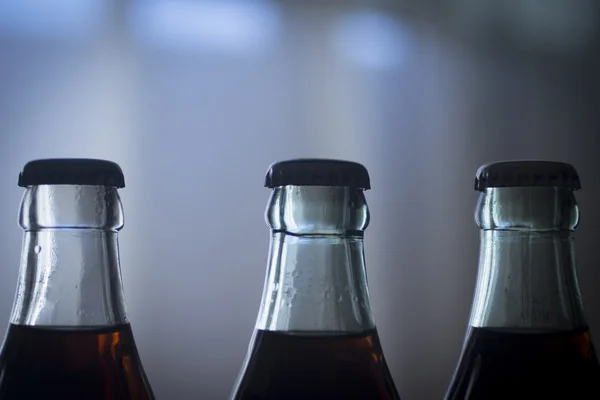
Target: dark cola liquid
287, 365
503, 364
83, 363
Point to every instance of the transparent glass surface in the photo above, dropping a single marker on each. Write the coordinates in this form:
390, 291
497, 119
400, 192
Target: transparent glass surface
527, 276
316, 278
70, 273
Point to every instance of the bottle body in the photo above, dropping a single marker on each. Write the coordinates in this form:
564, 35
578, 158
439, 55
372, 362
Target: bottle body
69, 336
317, 365
527, 335
71, 363
315, 336
508, 364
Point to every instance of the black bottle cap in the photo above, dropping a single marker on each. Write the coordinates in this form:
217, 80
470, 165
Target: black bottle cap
317, 172
72, 171
527, 173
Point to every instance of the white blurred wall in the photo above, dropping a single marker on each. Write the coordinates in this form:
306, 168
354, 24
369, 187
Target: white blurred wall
196, 98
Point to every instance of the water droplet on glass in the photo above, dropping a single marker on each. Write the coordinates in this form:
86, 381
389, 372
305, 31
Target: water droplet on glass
340, 298
37, 249
276, 286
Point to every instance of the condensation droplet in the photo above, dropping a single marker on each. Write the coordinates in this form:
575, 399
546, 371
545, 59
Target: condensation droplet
78, 191
37, 249
276, 286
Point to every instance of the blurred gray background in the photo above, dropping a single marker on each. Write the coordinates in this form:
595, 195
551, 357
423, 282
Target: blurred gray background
196, 98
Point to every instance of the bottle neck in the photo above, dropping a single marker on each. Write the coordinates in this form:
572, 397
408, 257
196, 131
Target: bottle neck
527, 276
70, 273
316, 278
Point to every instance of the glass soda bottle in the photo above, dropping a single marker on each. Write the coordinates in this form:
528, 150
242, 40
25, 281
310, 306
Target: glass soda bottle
315, 337
527, 336
69, 337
